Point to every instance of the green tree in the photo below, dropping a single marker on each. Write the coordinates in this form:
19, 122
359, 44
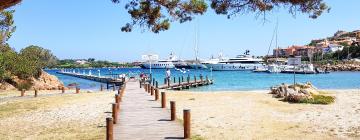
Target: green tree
156, 15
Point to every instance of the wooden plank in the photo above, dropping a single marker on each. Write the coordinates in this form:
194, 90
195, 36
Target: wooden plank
142, 118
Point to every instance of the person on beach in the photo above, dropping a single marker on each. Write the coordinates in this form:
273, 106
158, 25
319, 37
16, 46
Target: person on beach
168, 74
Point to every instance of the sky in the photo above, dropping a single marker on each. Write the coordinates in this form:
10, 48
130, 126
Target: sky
74, 29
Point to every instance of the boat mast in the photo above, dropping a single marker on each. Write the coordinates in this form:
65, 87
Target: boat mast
276, 41
196, 49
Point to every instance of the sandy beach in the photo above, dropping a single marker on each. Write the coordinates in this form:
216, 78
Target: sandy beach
256, 115
53, 115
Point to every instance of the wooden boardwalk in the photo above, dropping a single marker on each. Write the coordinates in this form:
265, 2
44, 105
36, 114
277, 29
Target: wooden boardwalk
142, 118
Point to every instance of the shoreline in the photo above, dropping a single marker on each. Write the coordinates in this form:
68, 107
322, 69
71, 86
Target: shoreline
245, 115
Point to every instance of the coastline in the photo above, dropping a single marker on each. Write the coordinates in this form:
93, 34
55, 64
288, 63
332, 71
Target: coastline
245, 115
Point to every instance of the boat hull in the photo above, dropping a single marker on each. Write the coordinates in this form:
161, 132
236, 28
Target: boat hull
157, 65
234, 67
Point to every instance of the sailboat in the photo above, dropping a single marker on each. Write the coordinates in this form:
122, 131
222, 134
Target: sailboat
197, 64
275, 67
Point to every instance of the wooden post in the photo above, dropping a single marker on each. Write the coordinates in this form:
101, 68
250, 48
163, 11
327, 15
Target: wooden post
63, 90
77, 90
107, 85
187, 126
173, 110
119, 92
145, 87
201, 78
156, 94
114, 112
152, 90
182, 78
140, 84
163, 100
36, 93
174, 80
22, 92
149, 88
168, 82
114, 87
195, 78
109, 129
165, 81
101, 87
153, 83
117, 98
157, 84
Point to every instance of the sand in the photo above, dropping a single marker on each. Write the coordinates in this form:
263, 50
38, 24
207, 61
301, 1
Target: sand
256, 115
54, 116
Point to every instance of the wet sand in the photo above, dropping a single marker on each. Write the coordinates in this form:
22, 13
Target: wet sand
256, 115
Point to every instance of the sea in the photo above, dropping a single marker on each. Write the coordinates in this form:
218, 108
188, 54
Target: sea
223, 80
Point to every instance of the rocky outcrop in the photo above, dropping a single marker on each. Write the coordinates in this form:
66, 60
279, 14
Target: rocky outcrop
6, 86
46, 82
341, 67
297, 94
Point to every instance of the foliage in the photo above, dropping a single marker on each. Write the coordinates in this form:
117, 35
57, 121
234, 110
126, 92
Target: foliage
319, 99
24, 85
6, 25
91, 62
348, 52
157, 14
8, 3
42, 57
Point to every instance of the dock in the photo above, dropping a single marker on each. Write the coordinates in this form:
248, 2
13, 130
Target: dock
110, 81
141, 117
180, 83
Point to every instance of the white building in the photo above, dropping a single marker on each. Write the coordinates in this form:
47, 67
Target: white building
331, 48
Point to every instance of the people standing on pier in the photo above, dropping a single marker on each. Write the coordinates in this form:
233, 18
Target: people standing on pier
168, 74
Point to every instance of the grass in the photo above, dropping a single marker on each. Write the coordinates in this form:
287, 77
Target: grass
319, 99
197, 137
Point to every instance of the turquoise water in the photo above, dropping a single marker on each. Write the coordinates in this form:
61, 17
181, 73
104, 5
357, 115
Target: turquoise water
230, 80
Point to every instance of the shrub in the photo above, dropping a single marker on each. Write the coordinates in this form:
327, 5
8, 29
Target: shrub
24, 85
319, 99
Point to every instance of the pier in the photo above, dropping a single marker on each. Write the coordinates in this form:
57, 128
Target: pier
110, 81
180, 83
141, 117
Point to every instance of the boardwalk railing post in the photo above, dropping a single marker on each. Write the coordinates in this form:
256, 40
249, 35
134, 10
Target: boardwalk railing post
157, 84
114, 87
77, 90
168, 82
152, 90
187, 127
156, 94
201, 78
109, 129
140, 83
62, 89
174, 80
165, 81
22, 92
114, 112
36, 93
101, 87
179, 81
149, 88
145, 87
153, 83
182, 78
163, 100
173, 110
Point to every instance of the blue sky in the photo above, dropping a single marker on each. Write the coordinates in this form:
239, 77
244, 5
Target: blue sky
83, 29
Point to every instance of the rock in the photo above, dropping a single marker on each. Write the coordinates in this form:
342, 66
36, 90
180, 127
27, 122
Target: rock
89, 91
6, 86
46, 82
304, 91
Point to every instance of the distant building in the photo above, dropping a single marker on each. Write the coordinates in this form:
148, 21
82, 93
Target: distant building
295, 50
81, 62
333, 48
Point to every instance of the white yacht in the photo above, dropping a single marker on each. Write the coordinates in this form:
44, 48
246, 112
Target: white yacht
212, 60
155, 63
240, 62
